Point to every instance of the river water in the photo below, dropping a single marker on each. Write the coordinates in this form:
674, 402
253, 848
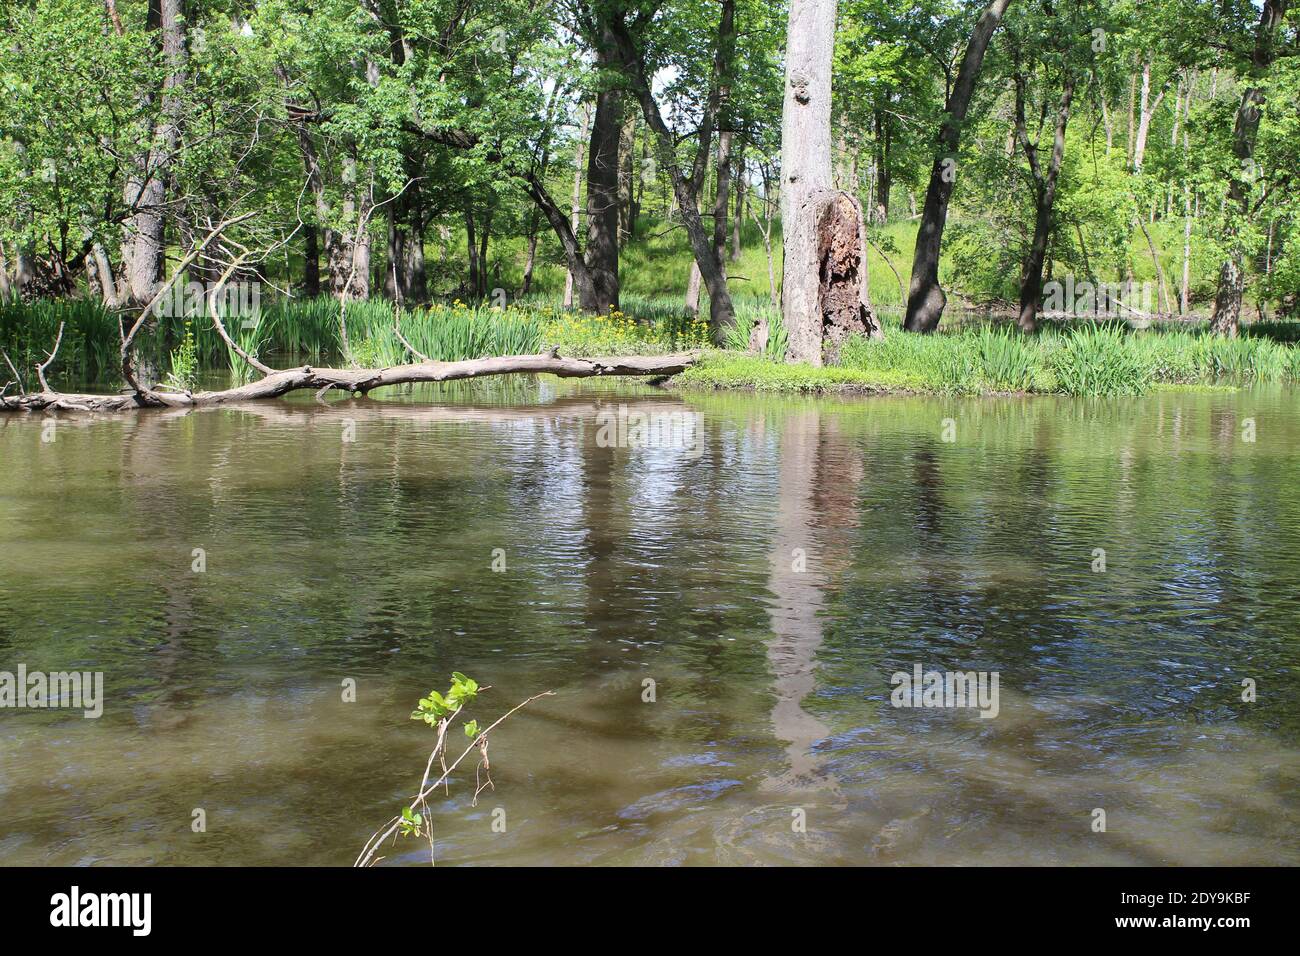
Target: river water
719, 610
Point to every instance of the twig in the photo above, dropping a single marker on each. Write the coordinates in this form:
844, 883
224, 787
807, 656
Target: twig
426, 788
128, 338
220, 326
40, 368
18, 379
397, 330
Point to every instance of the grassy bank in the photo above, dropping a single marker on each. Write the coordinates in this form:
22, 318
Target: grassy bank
1084, 360
1080, 359
290, 331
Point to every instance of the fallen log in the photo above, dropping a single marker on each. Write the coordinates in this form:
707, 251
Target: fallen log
358, 381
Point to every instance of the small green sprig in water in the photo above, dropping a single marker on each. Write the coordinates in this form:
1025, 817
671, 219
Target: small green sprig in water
437, 707
438, 710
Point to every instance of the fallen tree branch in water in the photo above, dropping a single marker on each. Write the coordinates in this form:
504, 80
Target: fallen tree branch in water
358, 381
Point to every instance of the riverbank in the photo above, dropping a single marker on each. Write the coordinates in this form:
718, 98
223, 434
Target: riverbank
1080, 358
1083, 361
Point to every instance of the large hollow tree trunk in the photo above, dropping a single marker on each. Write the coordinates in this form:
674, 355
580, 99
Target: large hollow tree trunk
925, 297
824, 289
1232, 275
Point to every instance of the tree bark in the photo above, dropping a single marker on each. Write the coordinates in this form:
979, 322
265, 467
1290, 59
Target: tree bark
825, 295
145, 192
721, 198
738, 216
310, 261
1031, 277
1146, 110
575, 206
471, 252
627, 206
1232, 277
926, 299
602, 186
884, 177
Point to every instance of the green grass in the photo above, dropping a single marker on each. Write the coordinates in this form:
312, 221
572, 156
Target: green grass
1082, 360
293, 331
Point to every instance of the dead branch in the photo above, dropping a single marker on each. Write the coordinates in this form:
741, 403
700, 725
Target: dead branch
220, 326
362, 381
147, 396
42, 366
18, 379
397, 330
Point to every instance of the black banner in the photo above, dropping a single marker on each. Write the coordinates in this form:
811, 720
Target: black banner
1175, 907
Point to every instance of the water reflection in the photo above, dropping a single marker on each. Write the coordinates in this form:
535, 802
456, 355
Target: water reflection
372, 560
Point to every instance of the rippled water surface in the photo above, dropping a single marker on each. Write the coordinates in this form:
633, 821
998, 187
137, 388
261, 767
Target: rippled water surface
371, 559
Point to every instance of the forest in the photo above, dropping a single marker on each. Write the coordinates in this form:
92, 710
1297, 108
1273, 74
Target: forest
633, 178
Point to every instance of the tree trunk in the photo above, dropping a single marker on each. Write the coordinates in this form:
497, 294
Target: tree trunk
602, 192
275, 383
1031, 278
395, 279
471, 253
145, 192
692, 304
348, 248
1232, 276
738, 217
824, 288
310, 261
721, 199
575, 205
884, 179
686, 188
417, 277
627, 210
1187, 252
104, 271
485, 234
1146, 111
926, 299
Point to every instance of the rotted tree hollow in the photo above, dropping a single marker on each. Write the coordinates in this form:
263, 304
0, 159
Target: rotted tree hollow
827, 286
